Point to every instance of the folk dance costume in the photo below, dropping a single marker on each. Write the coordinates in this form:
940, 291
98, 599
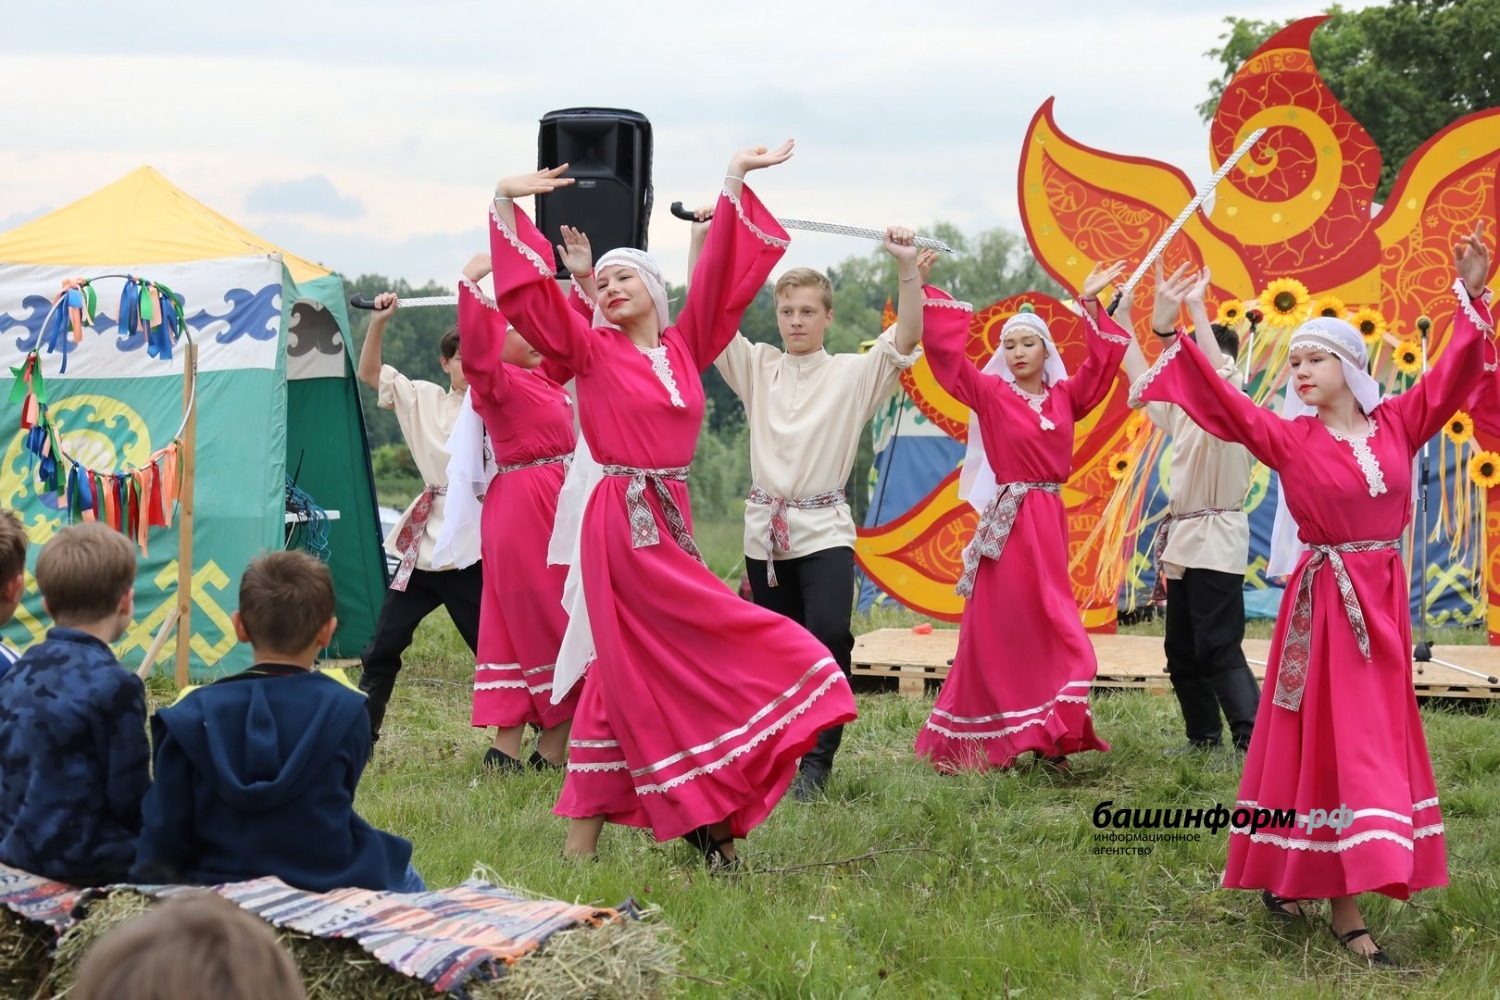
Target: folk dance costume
1341, 731
1200, 551
699, 704
528, 419
1021, 678
426, 413
805, 415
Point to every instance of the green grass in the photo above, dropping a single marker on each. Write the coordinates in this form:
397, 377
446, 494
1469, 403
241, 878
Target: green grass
907, 884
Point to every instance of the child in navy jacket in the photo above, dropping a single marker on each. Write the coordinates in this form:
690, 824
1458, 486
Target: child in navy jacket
73, 753
256, 773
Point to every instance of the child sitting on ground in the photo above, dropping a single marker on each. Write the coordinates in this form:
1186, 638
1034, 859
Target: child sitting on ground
256, 773
73, 752
12, 578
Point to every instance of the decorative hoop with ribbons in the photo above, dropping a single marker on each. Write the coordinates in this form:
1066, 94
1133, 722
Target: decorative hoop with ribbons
135, 498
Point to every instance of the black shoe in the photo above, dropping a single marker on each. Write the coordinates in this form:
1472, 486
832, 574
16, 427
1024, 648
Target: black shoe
1192, 747
1377, 958
501, 762
712, 850
809, 784
1239, 698
540, 763
1276, 905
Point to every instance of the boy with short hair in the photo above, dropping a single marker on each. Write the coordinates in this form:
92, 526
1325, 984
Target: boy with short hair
73, 753
256, 773
806, 410
12, 578
427, 413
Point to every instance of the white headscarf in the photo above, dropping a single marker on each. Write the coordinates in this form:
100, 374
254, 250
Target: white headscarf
976, 480
1344, 342
471, 466
643, 264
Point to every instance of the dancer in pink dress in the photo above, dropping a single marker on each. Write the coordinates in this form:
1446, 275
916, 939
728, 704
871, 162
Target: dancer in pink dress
528, 418
699, 704
1341, 741
1020, 681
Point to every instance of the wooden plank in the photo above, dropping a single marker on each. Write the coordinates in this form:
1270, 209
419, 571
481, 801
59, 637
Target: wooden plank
1137, 661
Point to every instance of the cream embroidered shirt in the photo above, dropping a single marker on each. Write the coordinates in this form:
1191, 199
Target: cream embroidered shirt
805, 415
426, 412
1204, 472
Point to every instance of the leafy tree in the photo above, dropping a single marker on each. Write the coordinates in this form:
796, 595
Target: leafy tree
1404, 70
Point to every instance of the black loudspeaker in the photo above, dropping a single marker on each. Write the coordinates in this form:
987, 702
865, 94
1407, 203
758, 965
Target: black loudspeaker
609, 155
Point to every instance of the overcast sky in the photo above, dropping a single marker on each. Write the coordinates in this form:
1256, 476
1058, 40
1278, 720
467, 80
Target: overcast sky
368, 135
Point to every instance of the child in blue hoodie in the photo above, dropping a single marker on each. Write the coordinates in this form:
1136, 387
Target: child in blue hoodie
256, 773
73, 752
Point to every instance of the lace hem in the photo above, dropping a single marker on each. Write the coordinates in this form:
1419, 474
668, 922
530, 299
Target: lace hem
998, 733
1467, 304
1141, 384
1368, 463
764, 236
478, 293
759, 738
662, 367
578, 290
510, 237
948, 304
1339, 846
609, 765
977, 719
1096, 330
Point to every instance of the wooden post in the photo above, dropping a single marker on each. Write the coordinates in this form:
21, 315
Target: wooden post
162, 635
185, 516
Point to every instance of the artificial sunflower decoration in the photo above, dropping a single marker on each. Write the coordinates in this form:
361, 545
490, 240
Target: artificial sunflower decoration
1329, 305
1230, 313
1484, 469
1371, 325
1285, 301
1460, 428
1120, 464
1408, 357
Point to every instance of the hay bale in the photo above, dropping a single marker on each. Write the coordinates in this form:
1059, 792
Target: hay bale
632, 958
628, 958
23, 954
104, 915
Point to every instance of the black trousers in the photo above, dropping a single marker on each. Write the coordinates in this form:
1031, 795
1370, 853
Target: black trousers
457, 590
1205, 629
817, 592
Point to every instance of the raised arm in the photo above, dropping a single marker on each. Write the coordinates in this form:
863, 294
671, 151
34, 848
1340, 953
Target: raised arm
481, 333
578, 257
524, 287
1198, 313
898, 243
1468, 358
1182, 375
945, 334
1108, 342
737, 257
368, 369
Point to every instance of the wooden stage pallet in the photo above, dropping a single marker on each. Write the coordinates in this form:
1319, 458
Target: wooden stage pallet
1137, 661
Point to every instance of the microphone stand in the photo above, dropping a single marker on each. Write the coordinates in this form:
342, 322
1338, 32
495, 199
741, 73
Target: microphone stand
1422, 651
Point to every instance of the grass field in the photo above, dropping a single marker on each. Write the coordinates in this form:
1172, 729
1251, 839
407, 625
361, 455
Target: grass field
904, 883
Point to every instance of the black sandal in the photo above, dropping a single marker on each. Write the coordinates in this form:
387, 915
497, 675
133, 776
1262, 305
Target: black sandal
540, 763
1276, 905
1377, 958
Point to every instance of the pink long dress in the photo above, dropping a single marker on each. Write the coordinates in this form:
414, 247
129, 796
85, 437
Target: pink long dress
1021, 678
699, 703
528, 417
1355, 742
